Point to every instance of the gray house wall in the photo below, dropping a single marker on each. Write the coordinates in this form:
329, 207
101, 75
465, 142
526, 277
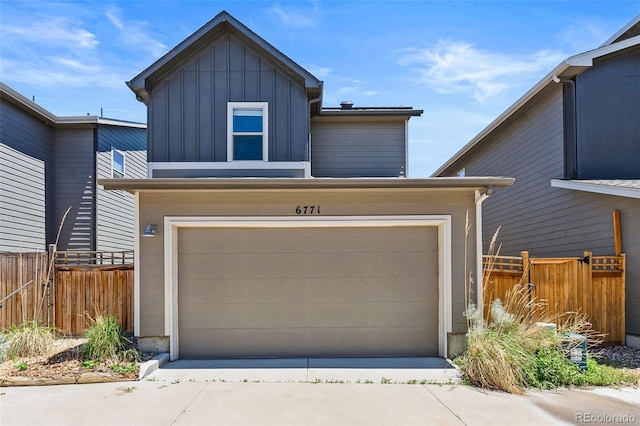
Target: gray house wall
610, 151
26, 180
358, 148
75, 187
115, 209
550, 221
187, 111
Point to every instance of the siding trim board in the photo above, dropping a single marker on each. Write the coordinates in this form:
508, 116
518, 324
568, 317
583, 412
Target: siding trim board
157, 167
172, 224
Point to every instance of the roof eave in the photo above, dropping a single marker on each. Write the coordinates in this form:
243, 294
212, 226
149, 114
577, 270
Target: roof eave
26, 104
568, 68
159, 184
138, 83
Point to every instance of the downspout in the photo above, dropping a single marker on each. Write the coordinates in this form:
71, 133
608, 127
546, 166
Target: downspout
574, 99
311, 102
480, 197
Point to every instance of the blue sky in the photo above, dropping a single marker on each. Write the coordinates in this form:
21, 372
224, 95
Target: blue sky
462, 62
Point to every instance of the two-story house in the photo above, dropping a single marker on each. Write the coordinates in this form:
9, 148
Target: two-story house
273, 226
572, 143
49, 164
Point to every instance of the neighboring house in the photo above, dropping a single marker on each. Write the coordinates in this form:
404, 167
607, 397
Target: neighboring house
283, 228
573, 145
50, 163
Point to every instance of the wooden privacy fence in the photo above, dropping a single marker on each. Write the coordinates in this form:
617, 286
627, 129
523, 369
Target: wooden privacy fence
23, 288
593, 285
81, 285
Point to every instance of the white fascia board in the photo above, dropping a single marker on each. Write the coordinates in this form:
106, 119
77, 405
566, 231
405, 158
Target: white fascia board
586, 59
587, 186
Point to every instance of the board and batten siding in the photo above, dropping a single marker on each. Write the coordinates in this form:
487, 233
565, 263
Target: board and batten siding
547, 221
115, 211
188, 108
26, 176
75, 187
358, 149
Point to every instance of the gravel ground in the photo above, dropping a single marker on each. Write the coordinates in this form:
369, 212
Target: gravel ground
618, 356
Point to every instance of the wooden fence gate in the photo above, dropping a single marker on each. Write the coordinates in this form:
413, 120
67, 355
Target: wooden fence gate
593, 285
82, 285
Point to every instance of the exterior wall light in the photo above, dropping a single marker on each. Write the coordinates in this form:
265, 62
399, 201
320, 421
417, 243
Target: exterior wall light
150, 231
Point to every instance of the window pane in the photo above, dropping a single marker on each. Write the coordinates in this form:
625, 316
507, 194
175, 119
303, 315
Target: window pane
247, 120
247, 148
117, 164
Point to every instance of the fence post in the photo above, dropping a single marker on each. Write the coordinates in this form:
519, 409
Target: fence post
623, 313
51, 269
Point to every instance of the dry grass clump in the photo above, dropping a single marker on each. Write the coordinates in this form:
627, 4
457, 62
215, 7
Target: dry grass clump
513, 349
29, 339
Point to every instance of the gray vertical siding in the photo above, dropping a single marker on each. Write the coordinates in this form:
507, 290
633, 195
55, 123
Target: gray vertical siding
550, 221
26, 170
608, 102
188, 108
358, 148
75, 187
115, 211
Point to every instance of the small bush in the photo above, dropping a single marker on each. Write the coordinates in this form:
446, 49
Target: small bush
29, 338
105, 341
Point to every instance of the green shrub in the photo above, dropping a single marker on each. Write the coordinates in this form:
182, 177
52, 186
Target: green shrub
29, 338
553, 369
105, 341
605, 375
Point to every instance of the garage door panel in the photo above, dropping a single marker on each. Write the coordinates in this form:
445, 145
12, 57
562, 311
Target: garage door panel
308, 240
304, 265
307, 315
232, 343
271, 290
308, 291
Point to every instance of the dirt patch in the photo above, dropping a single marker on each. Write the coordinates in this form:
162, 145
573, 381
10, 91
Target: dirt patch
64, 364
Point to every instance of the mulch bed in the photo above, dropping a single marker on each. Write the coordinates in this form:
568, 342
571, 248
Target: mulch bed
62, 366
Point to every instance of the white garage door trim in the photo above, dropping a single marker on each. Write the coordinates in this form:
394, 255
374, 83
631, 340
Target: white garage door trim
173, 223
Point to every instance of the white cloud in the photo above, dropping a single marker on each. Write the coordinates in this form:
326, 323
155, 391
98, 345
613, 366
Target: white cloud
296, 18
318, 71
135, 35
457, 67
52, 31
57, 71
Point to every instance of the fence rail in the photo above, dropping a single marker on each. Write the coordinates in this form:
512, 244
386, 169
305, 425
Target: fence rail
593, 285
94, 258
81, 285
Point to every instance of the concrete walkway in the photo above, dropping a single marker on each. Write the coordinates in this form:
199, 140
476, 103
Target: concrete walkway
159, 403
315, 370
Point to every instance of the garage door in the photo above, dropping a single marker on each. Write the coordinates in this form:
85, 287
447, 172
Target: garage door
349, 291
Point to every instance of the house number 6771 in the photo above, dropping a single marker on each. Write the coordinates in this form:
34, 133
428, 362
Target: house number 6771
308, 210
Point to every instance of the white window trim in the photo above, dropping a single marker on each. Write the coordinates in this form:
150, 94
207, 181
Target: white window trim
172, 224
124, 163
265, 127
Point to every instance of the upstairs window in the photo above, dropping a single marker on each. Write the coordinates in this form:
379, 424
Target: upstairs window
247, 131
117, 164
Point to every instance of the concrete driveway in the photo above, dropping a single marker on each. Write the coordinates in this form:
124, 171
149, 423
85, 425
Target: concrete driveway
158, 402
